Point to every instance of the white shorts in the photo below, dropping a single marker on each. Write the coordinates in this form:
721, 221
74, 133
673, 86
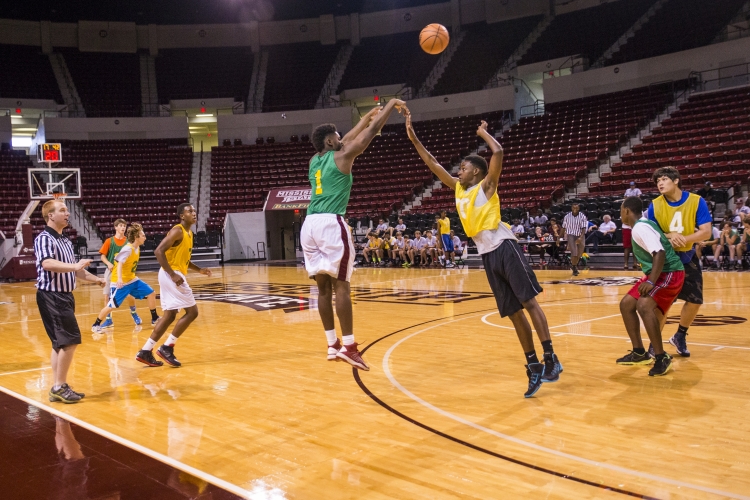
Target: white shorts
328, 246
107, 281
174, 297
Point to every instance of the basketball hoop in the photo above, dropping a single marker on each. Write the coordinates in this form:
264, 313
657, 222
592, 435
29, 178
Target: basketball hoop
58, 196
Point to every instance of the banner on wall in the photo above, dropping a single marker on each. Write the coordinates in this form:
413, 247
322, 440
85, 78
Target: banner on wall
288, 198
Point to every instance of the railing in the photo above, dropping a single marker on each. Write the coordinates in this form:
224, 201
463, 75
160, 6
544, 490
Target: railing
733, 32
79, 215
536, 109
720, 78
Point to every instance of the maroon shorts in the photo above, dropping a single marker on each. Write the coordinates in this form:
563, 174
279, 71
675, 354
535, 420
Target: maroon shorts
626, 238
665, 292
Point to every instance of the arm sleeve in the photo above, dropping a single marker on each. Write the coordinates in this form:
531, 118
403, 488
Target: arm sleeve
104, 250
703, 214
123, 254
647, 237
44, 249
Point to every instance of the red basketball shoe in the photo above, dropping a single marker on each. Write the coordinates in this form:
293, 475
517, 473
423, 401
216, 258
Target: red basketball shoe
350, 354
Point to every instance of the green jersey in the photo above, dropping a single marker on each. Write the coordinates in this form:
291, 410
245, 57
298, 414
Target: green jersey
646, 259
330, 187
114, 249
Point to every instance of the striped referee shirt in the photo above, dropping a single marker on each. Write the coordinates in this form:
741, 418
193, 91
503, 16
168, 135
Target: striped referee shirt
575, 225
52, 245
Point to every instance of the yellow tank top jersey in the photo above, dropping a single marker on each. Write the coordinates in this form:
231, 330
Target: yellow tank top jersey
476, 219
677, 219
444, 226
128, 266
179, 256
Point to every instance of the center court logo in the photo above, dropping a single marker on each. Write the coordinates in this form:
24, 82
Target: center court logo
292, 298
600, 281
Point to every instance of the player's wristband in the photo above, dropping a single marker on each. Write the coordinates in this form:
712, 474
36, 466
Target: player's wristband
650, 283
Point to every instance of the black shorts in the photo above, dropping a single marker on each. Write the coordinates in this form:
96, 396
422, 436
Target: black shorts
58, 310
692, 288
511, 278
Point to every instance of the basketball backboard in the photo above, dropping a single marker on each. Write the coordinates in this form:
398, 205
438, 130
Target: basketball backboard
45, 183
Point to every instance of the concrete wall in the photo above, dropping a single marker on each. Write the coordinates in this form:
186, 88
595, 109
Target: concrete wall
115, 128
635, 74
244, 230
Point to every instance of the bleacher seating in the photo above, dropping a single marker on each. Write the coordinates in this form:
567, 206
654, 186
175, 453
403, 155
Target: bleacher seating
204, 73
296, 74
481, 53
388, 60
707, 138
27, 74
589, 32
678, 25
108, 84
385, 176
141, 180
544, 155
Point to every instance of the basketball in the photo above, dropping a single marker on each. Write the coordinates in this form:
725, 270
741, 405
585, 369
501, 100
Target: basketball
434, 38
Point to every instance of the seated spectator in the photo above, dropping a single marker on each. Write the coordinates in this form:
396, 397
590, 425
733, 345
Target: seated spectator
458, 246
397, 249
528, 223
727, 244
605, 233
401, 226
708, 245
555, 233
708, 193
430, 249
416, 246
372, 252
740, 209
632, 190
382, 228
517, 229
743, 247
540, 219
733, 219
539, 248
408, 242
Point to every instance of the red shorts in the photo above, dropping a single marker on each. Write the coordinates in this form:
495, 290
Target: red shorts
667, 288
626, 238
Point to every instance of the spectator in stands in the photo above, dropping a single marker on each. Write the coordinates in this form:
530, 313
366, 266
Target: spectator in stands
734, 219
528, 223
458, 246
708, 245
386, 245
397, 250
430, 249
372, 252
540, 219
707, 193
407, 259
555, 233
401, 226
605, 233
382, 228
727, 243
417, 244
517, 229
742, 246
539, 248
574, 224
742, 209
632, 190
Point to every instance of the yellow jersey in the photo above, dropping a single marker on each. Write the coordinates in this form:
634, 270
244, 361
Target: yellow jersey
444, 226
680, 219
475, 219
375, 243
128, 265
179, 256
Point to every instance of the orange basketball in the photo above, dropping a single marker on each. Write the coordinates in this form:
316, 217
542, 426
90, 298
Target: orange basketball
434, 38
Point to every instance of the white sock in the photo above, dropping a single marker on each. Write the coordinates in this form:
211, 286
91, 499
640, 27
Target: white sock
348, 339
149, 345
331, 336
171, 340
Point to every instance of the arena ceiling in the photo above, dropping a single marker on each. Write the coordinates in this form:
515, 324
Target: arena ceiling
192, 11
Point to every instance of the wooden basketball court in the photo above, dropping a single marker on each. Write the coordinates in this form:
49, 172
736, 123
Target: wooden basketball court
258, 410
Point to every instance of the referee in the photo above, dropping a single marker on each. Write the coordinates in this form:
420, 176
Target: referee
57, 271
574, 228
